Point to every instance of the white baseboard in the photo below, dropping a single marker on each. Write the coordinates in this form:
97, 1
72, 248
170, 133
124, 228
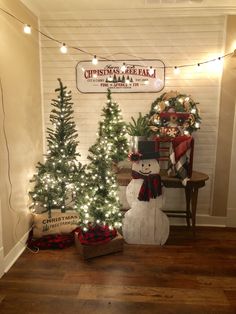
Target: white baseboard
15, 252
231, 217
1, 262
201, 220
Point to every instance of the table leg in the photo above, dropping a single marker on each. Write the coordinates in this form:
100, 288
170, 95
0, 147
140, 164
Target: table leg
188, 192
194, 206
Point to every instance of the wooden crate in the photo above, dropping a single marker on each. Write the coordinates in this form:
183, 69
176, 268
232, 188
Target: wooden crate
90, 251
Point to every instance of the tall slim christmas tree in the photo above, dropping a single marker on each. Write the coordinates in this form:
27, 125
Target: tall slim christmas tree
101, 206
113, 129
60, 178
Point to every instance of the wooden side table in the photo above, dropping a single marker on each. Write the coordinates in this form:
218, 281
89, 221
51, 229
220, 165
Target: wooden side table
197, 180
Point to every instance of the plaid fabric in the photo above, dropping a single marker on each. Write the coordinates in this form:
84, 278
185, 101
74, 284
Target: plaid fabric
151, 187
96, 235
180, 150
52, 241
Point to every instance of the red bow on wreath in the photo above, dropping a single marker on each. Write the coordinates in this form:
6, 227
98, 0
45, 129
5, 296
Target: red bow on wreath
151, 187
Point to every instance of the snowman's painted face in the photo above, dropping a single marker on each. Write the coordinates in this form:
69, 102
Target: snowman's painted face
146, 167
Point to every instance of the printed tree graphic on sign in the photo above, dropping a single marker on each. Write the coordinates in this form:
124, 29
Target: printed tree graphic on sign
114, 79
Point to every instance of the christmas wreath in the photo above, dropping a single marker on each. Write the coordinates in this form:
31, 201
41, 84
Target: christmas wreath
173, 114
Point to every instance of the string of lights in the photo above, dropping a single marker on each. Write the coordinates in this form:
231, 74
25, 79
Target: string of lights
64, 49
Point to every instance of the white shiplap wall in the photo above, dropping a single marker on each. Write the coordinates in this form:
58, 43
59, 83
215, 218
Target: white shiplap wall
121, 34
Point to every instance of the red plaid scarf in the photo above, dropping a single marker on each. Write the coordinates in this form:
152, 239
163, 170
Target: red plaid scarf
151, 187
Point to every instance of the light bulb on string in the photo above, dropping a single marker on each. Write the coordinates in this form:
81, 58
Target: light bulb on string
215, 66
27, 29
63, 48
176, 70
151, 70
95, 60
198, 67
219, 62
123, 68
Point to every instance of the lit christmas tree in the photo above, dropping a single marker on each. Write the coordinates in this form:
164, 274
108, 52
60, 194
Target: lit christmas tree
55, 186
113, 129
102, 206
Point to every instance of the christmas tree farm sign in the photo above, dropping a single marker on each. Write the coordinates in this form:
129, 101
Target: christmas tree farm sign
129, 76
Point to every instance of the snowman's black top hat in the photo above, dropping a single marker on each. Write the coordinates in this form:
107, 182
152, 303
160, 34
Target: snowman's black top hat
146, 150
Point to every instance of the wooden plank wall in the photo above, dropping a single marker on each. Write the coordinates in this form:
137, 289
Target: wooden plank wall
121, 35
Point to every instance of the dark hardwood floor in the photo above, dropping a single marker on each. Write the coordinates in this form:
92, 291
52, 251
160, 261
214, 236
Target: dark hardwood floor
186, 275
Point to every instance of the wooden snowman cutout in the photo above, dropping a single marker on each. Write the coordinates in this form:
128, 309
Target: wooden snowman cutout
144, 222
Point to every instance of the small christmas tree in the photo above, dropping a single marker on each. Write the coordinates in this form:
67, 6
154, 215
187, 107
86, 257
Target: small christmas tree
55, 181
102, 206
114, 130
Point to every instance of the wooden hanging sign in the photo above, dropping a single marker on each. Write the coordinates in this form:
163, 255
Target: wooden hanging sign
121, 76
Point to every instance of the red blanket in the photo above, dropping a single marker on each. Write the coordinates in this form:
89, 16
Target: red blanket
181, 145
53, 241
181, 155
96, 235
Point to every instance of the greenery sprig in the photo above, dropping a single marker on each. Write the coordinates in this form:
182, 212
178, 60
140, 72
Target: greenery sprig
139, 127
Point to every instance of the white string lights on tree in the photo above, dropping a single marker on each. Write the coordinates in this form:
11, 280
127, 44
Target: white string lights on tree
64, 49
